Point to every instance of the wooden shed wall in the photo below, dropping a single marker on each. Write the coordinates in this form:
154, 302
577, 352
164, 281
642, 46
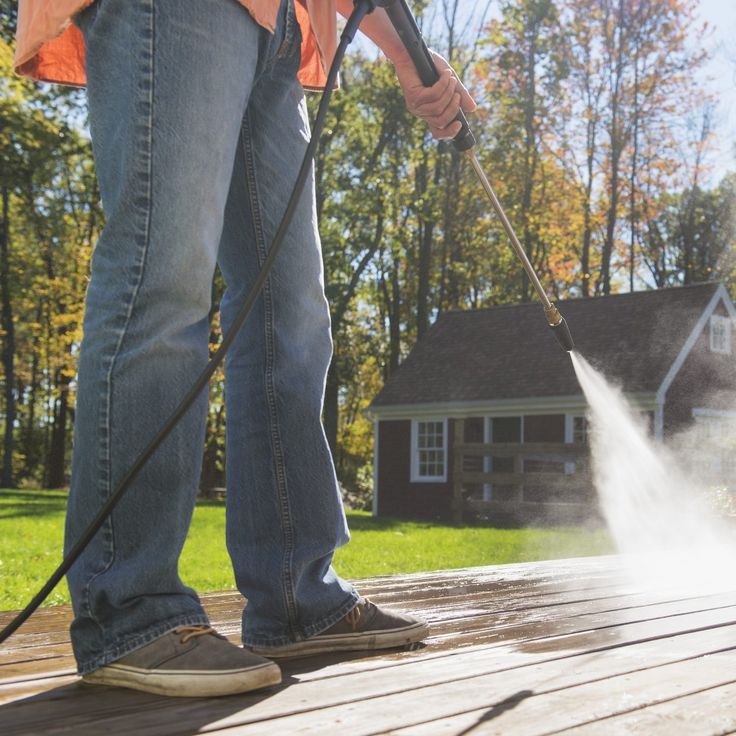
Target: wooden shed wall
400, 497
397, 495
705, 380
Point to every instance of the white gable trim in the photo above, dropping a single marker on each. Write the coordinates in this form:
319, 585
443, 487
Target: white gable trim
501, 407
659, 421
720, 295
706, 412
465, 409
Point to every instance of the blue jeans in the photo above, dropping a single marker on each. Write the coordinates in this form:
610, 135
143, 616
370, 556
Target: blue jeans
198, 127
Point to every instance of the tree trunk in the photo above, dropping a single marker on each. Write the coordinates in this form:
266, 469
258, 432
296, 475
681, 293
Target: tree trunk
633, 213
213, 476
392, 305
56, 468
611, 219
585, 257
395, 320
688, 238
530, 158
30, 448
592, 99
452, 244
7, 479
617, 142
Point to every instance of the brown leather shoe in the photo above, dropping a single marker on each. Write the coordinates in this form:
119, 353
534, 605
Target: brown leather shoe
365, 627
191, 661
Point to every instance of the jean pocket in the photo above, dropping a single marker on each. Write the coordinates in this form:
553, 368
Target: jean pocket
292, 36
85, 17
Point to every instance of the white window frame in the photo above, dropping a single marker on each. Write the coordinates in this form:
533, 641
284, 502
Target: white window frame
720, 326
710, 436
487, 459
415, 476
570, 465
585, 428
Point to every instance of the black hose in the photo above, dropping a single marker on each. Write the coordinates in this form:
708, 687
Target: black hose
362, 8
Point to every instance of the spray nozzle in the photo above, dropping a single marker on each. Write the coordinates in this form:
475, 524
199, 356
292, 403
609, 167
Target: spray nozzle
559, 327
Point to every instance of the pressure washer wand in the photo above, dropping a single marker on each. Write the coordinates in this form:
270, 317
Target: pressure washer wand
403, 21
555, 320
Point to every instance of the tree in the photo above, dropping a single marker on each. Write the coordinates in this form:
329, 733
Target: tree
364, 123
631, 82
50, 217
523, 76
694, 236
8, 20
580, 127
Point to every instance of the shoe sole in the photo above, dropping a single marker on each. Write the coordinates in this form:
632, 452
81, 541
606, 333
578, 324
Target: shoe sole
359, 641
187, 683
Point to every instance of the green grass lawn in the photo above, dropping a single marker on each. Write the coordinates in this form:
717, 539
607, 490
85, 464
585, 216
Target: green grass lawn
32, 522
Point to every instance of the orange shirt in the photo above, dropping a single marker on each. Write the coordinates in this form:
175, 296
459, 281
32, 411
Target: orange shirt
50, 49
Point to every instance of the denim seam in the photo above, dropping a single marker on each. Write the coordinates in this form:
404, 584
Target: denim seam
105, 425
318, 627
287, 530
325, 623
290, 32
138, 640
290, 40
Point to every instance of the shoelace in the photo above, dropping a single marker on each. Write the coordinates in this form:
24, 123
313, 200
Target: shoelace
354, 616
190, 632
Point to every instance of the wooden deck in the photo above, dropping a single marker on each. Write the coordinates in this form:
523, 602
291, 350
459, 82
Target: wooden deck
539, 648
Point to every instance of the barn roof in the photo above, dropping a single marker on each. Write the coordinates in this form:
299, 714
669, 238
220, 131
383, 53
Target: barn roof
508, 352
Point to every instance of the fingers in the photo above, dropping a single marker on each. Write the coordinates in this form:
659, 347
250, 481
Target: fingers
430, 101
439, 104
467, 102
447, 132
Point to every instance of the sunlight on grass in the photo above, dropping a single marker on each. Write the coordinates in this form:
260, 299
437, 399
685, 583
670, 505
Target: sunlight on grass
385, 546
31, 539
32, 524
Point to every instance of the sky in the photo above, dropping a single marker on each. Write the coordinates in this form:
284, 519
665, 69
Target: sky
721, 43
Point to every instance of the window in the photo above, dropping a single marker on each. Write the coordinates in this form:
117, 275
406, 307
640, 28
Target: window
720, 334
576, 430
580, 429
714, 445
429, 450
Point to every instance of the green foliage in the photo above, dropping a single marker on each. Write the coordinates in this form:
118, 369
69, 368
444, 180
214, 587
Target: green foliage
8, 20
526, 63
31, 531
693, 237
54, 216
583, 104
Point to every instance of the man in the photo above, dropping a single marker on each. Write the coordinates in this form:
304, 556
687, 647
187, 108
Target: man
198, 127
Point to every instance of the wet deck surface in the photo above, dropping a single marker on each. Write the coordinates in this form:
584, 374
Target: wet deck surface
563, 646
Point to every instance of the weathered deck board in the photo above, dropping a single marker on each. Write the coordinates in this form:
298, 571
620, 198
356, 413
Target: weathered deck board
563, 646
